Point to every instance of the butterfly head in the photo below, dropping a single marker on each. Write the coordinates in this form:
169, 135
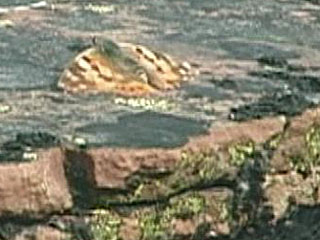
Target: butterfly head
107, 47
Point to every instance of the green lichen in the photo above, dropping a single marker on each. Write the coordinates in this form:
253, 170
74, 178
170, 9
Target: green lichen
241, 152
313, 144
185, 208
151, 190
152, 226
299, 164
274, 141
225, 211
155, 225
309, 158
197, 167
147, 184
105, 226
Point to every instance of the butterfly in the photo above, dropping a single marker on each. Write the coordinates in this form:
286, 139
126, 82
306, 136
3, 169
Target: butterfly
125, 69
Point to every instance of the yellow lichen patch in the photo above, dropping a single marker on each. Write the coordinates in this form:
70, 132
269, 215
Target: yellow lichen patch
146, 103
152, 226
185, 207
105, 225
241, 152
274, 141
196, 167
309, 158
6, 23
5, 108
100, 8
156, 224
313, 143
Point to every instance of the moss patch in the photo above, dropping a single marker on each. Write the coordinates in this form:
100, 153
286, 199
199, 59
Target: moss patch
196, 168
274, 141
105, 226
152, 226
241, 152
156, 224
309, 158
313, 144
185, 208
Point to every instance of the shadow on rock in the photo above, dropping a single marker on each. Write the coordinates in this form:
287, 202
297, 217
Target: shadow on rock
298, 91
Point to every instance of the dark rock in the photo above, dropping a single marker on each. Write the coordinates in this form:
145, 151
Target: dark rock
14, 150
274, 104
273, 61
144, 130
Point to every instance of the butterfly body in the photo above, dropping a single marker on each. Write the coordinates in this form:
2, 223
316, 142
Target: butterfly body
125, 69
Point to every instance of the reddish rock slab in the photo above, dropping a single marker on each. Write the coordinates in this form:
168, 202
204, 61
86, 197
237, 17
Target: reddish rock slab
130, 229
184, 227
42, 233
221, 136
281, 190
293, 142
37, 187
112, 166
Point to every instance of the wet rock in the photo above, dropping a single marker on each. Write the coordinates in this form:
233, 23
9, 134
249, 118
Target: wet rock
314, 1
32, 140
139, 131
279, 103
25, 144
247, 50
273, 61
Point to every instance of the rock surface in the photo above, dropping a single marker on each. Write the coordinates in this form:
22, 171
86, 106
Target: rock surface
233, 154
41, 233
37, 187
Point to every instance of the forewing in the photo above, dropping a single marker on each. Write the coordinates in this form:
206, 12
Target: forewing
164, 72
91, 71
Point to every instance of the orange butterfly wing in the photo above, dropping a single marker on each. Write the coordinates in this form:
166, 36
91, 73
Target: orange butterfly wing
164, 72
95, 70
90, 71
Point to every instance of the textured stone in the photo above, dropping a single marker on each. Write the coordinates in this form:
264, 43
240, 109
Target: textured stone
284, 190
184, 227
111, 167
293, 141
220, 136
232, 76
41, 233
37, 187
129, 229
